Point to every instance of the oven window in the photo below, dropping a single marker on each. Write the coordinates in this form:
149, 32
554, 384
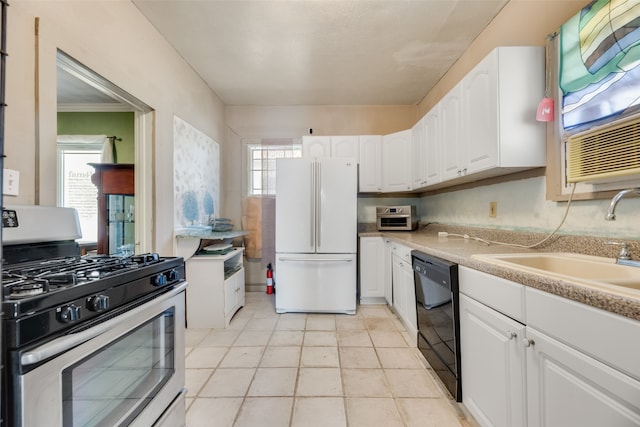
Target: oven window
394, 222
119, 380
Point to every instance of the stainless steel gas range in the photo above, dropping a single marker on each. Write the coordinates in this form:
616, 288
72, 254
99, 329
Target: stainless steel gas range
88, 340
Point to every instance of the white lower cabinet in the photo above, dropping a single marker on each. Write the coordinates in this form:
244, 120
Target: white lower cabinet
493, 365
372, 270
216, 289
568, 388
514, 374
388, 269
583, 367
233, 295
404, 296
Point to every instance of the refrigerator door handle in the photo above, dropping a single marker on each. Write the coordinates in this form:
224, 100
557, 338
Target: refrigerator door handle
312, 229
318, 205
315, 259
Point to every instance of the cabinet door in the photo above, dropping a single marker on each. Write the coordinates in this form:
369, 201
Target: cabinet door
371, 269
345, 146
432, 145
397, 280
388, 269
480, 115
240, 288
396, 161
230, 294
409, 302
451, 134
404, 300
419, 155
370, 171
568, 388
316, 146
493, 365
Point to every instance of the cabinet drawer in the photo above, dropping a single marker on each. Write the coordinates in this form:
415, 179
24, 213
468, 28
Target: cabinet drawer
608, 337
502, 295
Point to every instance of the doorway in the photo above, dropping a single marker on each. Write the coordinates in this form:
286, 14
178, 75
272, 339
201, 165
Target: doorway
82, 90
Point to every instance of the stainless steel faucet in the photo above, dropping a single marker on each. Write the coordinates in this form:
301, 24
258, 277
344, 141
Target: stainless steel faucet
611, 215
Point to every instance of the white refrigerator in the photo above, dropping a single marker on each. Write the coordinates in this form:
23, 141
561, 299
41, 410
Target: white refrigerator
316, 235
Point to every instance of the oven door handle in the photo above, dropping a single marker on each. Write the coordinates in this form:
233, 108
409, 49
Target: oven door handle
67, 342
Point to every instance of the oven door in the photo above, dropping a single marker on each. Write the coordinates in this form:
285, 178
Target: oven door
394, 222
128, 370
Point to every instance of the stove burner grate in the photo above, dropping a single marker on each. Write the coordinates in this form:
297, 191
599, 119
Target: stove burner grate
35, 278
27, 288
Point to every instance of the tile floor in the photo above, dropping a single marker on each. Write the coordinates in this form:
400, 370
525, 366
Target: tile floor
270, 369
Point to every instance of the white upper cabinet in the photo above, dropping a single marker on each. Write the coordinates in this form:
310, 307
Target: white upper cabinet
345, 146
486, 125
316, 146
451, 134
431, 124
419, 155
480, 111
500, 96
396, 161
370, 169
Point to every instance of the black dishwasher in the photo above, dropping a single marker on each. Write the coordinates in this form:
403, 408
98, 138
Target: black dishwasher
437, 305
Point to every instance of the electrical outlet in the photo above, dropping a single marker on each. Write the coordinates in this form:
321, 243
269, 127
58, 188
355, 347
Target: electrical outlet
493, 209
10, 182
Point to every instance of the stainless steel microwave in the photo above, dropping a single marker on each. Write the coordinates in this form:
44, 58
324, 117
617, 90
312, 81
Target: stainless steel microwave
401, 218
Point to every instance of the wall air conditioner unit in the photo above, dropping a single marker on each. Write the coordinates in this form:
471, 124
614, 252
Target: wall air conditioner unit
599, 82
605, 154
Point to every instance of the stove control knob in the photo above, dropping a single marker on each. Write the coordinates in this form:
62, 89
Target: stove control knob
98, 303
159, 280
69, 313
173, 275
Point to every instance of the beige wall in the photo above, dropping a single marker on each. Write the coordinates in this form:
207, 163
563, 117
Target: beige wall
294, 121
116, 41
520, 23
256, 122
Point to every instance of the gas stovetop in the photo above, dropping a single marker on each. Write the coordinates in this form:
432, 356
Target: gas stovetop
29, 279
51, 296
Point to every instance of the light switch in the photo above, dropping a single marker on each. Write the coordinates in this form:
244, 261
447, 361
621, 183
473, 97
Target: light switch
11, 182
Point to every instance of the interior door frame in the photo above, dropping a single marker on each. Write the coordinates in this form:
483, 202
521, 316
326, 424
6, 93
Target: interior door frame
144, 124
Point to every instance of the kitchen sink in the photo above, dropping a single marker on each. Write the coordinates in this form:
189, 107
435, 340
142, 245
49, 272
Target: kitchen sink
582, 269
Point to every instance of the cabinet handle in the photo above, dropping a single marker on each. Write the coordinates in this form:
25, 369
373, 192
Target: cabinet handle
527, 342
512, 335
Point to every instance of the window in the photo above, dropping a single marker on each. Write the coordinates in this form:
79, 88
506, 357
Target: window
262, 166
75, 189
594, 83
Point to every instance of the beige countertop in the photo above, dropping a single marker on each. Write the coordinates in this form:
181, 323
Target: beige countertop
460, 250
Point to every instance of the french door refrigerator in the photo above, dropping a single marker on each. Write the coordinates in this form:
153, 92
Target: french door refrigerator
316, 235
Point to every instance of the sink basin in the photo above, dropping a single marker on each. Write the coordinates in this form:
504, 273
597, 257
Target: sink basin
583, 269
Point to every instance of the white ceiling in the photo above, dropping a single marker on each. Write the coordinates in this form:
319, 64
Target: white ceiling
320, 52
311, 52
72, 90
